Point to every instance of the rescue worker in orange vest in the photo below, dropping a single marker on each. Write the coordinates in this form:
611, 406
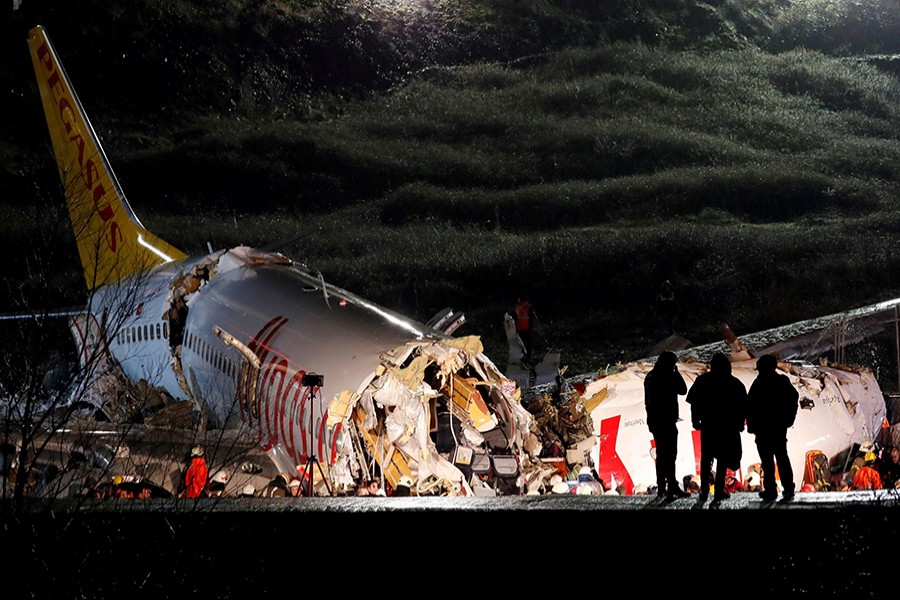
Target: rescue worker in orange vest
197, 474
526, 321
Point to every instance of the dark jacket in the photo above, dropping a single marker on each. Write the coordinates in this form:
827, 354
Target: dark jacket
662, 386
771, 404
718, 404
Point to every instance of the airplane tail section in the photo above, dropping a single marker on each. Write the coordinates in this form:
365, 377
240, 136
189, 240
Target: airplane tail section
112, 242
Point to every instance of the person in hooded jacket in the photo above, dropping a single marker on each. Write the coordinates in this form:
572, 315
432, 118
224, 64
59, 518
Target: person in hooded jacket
772, 403
718, 403
662, 386
197, 474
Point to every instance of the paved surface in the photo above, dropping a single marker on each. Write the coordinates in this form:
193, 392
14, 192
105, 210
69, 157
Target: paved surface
804, 501
819, 545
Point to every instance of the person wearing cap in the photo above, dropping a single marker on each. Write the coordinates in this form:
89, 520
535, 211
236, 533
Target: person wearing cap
732, 484
197, 474
277, 487
718, 403
217, 484
248, 491
561, 487
588, 484
662, 386
295, 488
404, 485
772, 404
753, 482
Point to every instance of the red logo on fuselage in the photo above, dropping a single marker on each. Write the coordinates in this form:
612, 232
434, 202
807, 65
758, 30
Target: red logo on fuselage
90, 173
286, 405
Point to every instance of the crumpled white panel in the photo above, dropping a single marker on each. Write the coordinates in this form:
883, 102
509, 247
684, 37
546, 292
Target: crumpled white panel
391, 392
408, 419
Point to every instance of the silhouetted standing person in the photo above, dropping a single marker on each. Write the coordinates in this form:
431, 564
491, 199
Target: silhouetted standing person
662, 386
772, 404
718, 401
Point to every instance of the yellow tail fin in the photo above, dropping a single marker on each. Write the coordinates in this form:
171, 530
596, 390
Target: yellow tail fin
111, 241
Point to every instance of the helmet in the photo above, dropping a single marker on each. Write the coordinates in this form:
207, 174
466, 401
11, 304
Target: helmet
196, 451
248, 490
406, 481
118, 479
220, 477
556, 478
560, 488
584, 474
584, 490
640, 489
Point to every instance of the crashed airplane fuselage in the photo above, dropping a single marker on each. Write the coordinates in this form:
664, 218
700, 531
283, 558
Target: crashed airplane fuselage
318, 375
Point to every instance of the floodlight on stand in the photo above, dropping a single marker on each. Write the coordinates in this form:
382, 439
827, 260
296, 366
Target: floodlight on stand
313, 380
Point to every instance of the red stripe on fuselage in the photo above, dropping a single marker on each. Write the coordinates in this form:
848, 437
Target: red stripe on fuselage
292, 414
273, 326
276, 366
610, 464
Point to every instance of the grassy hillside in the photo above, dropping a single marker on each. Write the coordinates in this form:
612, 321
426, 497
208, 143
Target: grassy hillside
582, 153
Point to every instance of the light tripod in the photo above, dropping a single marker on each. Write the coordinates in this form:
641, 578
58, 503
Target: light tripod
313, 382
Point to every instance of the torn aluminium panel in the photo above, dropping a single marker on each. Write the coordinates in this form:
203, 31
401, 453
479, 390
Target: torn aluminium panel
395, 419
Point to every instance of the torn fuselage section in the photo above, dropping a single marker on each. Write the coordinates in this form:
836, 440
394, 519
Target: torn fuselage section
440, 413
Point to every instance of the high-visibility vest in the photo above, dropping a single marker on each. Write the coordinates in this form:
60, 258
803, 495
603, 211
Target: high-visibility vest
523, 316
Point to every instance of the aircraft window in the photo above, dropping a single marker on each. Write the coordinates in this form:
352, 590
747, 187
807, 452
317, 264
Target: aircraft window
139, 338
128, 335
145, 333
166, 330
151, 331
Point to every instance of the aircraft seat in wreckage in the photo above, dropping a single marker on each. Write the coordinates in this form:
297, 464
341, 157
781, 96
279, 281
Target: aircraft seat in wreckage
374, 406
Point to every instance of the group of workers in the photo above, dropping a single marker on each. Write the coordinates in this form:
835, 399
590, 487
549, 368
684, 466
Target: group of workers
720, 407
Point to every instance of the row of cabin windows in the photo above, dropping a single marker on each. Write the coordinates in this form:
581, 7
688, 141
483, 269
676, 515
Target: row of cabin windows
213, 357
139, 333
